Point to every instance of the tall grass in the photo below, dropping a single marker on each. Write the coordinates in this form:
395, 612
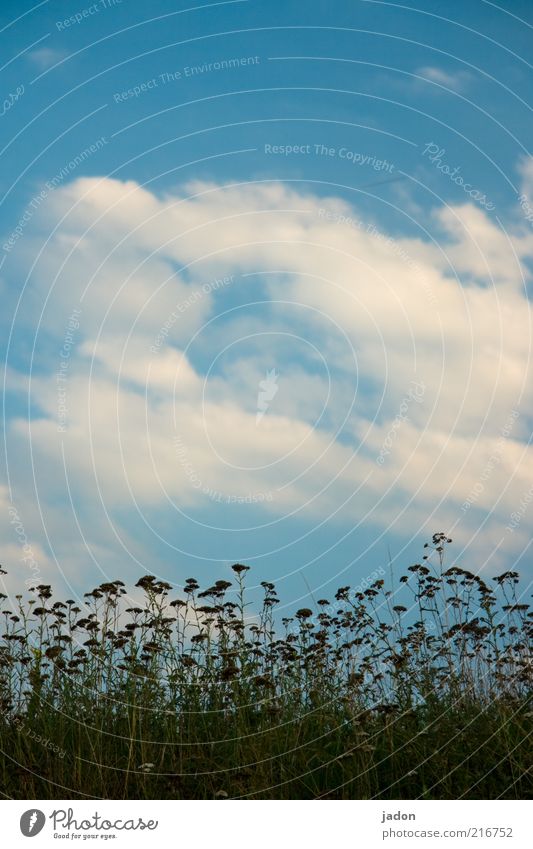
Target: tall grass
418, 690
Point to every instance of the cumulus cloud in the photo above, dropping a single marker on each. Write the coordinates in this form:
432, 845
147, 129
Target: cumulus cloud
162, 374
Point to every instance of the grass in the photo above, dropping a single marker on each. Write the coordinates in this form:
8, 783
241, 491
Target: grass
418, 690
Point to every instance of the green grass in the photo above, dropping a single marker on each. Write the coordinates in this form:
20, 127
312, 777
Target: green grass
422, 689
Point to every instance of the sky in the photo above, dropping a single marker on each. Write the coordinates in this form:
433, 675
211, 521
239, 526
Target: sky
265, 271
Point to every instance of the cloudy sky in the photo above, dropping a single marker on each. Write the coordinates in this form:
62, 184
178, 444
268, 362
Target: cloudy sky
265, 271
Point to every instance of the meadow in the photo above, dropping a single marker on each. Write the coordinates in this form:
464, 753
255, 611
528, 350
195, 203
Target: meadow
418, 686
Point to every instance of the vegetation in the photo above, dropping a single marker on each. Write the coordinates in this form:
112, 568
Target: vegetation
422, 689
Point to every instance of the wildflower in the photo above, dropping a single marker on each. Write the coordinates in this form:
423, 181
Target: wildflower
229, 672
53, 652
146, 581
506, 576
238, 568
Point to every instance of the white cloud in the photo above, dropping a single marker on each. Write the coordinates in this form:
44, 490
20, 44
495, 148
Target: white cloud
455, 80
525, 169
46, 57
379, 314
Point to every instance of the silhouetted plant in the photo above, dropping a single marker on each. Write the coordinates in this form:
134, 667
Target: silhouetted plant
419, 689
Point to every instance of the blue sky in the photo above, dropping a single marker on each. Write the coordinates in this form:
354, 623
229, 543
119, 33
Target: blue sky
266, 275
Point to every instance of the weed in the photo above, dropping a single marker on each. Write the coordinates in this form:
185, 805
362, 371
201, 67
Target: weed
419, 690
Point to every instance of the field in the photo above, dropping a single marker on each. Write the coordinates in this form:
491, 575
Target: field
415, 687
